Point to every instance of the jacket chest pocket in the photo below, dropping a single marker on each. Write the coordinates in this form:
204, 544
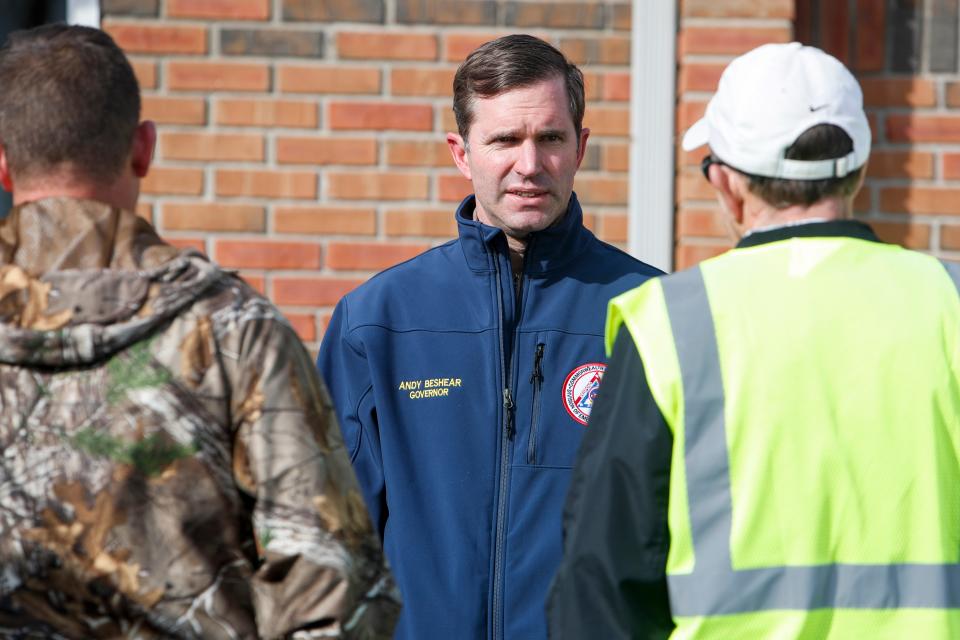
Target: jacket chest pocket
562, 378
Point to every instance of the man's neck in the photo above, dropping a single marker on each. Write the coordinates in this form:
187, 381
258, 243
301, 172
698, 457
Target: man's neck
121, 194
516, 246
763, 216
518, 249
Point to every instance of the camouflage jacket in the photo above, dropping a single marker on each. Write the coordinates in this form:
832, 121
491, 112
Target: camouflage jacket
171, 466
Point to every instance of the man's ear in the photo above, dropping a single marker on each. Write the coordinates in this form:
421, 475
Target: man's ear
5, 180
458, 149
582, 145
144, 142
729, 186
863, 176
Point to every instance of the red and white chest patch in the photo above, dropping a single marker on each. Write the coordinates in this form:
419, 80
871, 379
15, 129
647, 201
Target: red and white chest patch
580, 390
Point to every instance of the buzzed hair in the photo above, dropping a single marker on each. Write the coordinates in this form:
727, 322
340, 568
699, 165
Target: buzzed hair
68, 99
512, 62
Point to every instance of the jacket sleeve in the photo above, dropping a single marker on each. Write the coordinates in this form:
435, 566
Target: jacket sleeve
321, 568
344, 368
612, 580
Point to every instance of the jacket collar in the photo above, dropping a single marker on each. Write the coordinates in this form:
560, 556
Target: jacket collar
549, 249
827, 229
54, 234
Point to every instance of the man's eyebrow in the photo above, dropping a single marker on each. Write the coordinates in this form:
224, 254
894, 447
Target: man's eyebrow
501, 133
551, 132
517, 133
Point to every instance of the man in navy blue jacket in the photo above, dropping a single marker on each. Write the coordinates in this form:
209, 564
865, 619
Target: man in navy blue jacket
463, 378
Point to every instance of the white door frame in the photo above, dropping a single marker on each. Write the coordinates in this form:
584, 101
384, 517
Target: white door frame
653, 103
84, 12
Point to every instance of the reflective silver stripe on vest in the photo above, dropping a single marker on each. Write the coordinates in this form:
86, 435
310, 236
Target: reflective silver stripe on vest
953, 269
714, 587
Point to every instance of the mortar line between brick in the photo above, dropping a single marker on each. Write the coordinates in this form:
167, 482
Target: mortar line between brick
737, 22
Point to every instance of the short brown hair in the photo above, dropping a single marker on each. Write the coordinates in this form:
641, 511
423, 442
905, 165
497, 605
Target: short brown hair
512, 62
68, 97
821, 142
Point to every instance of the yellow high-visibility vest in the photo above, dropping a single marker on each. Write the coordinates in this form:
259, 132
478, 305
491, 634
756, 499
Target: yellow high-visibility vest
812, 386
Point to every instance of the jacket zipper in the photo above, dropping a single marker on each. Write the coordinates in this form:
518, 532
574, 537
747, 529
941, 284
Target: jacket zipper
506, 437
503, 472
536, 378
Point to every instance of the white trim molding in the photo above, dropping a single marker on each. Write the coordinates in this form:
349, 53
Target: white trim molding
84, 12
653, 103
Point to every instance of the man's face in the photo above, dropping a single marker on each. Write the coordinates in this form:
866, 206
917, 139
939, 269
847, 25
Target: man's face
521, 156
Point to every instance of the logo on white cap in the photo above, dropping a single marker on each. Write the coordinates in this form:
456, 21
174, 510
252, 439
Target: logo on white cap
767, 98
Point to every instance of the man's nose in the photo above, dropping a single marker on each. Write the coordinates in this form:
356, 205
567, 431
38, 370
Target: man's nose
528, 159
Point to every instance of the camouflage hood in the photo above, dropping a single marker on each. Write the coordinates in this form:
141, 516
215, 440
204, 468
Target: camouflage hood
80, 280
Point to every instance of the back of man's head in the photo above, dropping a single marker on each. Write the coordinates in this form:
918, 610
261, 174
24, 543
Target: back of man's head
512, 62
791, 119
69, 101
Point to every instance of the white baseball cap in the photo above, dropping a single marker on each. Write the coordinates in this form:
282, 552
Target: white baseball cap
767, 98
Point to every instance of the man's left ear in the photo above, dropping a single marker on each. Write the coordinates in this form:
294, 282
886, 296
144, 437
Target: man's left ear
144, 142
5, 180
582, 145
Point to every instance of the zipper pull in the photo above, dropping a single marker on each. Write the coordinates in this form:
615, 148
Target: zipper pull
508, 408
537, 375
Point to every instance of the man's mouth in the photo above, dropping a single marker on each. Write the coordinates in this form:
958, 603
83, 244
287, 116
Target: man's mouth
527, 193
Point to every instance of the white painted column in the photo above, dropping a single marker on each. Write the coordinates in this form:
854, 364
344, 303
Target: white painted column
84, 12
653, 65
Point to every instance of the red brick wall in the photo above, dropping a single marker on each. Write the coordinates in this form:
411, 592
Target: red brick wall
711, 34
908, 74
302, 141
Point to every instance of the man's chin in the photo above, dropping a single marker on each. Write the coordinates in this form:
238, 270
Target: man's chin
525, 223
